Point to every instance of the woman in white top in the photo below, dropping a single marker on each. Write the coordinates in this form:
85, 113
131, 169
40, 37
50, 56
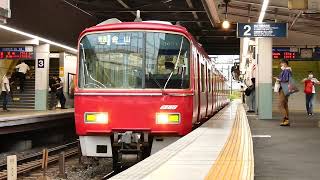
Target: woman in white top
5, 90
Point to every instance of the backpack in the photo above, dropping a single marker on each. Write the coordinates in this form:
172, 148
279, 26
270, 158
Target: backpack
308, 86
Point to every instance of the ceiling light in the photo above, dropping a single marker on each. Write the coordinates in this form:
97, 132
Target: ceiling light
226, 24
37, 38
263, 10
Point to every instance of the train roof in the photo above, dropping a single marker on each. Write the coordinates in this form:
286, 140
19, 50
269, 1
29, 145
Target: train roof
145, 26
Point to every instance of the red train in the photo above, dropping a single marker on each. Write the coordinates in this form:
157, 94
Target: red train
140, 84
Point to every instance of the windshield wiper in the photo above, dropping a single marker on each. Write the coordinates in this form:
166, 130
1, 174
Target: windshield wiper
175, 66
86, 69
158, 84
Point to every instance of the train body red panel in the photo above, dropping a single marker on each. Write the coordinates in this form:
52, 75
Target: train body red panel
142, 77
133, 113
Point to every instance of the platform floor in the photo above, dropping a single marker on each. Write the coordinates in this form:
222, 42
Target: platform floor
19, 120
218, 149
22, 113
291, 152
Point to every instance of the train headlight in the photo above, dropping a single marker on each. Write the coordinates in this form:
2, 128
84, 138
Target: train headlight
99, 118
167, 118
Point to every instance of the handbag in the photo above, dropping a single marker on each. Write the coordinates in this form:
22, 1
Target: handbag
276, 87
292, 87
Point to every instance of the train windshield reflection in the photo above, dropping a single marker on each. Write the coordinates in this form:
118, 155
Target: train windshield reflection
134, 60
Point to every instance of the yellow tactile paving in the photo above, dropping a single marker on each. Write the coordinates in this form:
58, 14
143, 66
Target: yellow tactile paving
236, 160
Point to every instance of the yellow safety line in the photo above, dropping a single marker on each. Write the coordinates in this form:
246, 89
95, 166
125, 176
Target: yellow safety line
236, 160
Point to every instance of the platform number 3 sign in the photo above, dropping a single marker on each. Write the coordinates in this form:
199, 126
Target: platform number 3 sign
40, 63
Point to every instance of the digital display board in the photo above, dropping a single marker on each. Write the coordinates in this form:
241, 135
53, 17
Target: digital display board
16, 53
283, 53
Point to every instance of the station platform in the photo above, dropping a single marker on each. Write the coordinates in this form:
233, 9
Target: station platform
286, 152
219, 149
20, 120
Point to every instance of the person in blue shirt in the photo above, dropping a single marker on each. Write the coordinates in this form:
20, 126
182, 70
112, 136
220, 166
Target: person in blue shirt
284, 93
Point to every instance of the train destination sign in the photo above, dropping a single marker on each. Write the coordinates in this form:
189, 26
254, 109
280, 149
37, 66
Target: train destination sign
253, 30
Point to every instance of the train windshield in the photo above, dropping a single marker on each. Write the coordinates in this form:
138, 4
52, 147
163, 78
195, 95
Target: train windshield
134, 60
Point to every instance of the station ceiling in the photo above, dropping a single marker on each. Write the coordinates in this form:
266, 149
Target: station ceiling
305, 22
63, 20
188, 13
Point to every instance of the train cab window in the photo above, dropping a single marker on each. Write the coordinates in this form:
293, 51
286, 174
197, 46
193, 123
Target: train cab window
167, 61
134, 60
111, 60
203, 78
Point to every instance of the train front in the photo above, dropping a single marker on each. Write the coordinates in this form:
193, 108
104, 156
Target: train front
132, 85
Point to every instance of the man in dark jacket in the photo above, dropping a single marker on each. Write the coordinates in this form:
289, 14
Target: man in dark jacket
60, 94
53, 92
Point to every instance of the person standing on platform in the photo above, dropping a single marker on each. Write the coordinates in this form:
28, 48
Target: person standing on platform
310, 90
251, 93
60, 94
53, 92
284, 93
22, 70
5, 91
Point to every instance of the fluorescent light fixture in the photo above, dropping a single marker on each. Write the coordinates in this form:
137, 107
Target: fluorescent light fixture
38, 38
263, 10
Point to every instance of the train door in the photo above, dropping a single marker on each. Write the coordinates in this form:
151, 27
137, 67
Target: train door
218, 92
207, 87
196, 96
209, 92
212, 91
203, 98
199, 86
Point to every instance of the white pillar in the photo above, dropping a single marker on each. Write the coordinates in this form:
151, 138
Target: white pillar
264, 78
42, 76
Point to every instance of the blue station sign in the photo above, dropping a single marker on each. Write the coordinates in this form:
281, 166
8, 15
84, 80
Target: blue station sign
253, 30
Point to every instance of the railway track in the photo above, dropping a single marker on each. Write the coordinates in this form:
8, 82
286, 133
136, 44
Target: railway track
34, 161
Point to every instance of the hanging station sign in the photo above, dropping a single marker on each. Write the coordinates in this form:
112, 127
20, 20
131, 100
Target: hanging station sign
16, 53
253, 30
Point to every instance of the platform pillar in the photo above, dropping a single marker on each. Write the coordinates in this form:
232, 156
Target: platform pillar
42, 76
264, 81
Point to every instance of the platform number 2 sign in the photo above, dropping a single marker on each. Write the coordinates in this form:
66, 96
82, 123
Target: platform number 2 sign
247, 29
40, 63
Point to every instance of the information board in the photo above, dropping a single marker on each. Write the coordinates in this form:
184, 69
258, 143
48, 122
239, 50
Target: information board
262, 30
283, 53
16, 53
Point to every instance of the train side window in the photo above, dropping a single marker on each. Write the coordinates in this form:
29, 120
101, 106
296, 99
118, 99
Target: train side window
203, 82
